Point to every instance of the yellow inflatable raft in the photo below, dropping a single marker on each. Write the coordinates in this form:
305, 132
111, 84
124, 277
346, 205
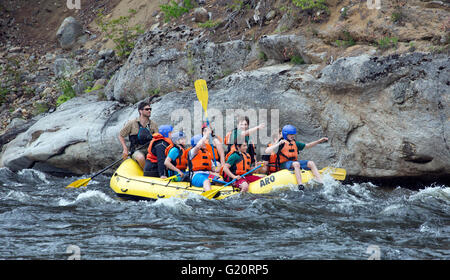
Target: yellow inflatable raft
128, 182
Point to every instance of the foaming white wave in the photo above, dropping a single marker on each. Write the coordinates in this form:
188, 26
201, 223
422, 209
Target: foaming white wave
18, 196
176, 204
434, 192
346, 197
91, 196
5, 170
33, 173
428, 227
393, 210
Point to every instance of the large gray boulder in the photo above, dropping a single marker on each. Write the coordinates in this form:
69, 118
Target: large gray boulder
69, 33
154, 67
79, 137
390, 115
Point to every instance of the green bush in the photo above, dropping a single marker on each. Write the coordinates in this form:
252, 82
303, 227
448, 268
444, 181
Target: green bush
67, 91
387, 43
297, 59
173, 10
3, 92
120, 32
311, 4
347, 40
209, 24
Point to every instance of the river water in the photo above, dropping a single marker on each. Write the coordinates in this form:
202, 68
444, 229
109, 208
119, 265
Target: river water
40, 219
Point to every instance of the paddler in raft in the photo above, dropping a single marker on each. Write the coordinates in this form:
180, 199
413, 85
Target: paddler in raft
238, 163
139, 131
200, 161
176, 160
219, 154
287, 154
156, 154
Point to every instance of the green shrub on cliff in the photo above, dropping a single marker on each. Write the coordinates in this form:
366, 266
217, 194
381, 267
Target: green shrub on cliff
311, 4
173, 10
66, 87
120, 32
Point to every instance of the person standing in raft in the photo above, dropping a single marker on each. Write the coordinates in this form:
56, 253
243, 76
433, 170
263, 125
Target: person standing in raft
218, 149
200, 161
139, 132
156, 154
176, 158
287, 154
243, 132
239, 163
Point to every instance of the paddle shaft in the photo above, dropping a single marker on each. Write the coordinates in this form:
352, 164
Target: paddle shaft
114, 163
106, 168
245, 174
212, 144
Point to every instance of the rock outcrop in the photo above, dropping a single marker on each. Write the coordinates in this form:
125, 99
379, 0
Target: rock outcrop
384, 116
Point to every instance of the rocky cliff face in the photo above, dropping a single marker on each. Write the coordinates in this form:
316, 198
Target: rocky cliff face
385, 116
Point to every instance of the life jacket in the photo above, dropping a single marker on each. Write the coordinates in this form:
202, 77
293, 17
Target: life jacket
242, 167
144, 136
216, 152
287, 152
157, 138
232, 148
201, 161
273, 166
181, 161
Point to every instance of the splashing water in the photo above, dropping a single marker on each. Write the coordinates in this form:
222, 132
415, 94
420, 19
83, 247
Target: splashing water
41, 219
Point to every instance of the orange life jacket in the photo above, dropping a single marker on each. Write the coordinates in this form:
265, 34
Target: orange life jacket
273, 161
216, 152
181, 161
201, 161
241, 167
288, 152
157, 137
232, 148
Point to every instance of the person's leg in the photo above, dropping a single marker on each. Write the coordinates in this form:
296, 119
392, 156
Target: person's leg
297, 171
311, 165
244, 186
206, 185
150, 169
201, 180
139, 157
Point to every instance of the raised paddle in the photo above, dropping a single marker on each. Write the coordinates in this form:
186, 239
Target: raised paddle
211, 193
202, 94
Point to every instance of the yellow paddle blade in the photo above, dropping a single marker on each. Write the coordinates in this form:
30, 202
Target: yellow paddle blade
336, 173
211, 193
78, 183
202, 94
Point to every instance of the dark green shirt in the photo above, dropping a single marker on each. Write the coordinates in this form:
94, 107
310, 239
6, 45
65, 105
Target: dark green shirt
233, 159
300, 145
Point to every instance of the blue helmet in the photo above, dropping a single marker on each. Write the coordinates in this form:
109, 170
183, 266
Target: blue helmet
288, 129
165, 129
195, 139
